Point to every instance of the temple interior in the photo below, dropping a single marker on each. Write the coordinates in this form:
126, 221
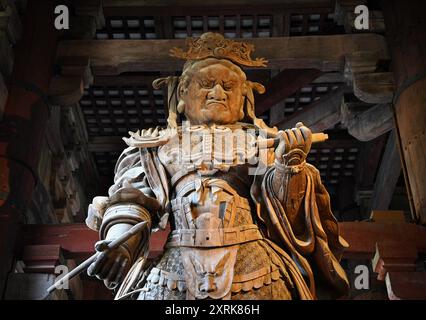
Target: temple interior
67, 97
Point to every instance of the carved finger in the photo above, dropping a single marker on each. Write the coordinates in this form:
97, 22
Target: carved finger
122, 272
299, 136
102, 245
96, 266
106, 268
291, 138
306, 132
114, 269
279, 151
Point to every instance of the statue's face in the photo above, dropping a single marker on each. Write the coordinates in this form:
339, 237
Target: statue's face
214, 95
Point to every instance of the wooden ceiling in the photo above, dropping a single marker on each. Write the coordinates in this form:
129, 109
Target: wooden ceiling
121, 98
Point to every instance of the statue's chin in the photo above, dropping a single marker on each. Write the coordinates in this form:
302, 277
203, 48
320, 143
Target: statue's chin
213, 116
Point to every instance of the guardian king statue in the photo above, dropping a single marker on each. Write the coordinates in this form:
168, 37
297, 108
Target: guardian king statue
249, 217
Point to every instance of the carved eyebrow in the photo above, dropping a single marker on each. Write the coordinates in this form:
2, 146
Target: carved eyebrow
205, 78
228, 83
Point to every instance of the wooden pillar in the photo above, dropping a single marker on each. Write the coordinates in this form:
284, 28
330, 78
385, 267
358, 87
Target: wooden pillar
406, 27
387, 175
24, 121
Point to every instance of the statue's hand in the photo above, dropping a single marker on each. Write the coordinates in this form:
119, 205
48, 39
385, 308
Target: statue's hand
292, 141
111, 265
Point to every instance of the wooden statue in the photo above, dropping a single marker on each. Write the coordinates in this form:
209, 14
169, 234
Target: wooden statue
250, 219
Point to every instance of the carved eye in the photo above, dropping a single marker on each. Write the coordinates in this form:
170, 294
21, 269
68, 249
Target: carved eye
207, 84
228, 86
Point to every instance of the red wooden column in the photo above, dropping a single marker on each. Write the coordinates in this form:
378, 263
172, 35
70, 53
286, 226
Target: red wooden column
406, 29
23, 125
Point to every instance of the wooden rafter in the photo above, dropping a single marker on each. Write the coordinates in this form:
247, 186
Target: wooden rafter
325, 53
387, 176
78, 241
319, 115
283, 85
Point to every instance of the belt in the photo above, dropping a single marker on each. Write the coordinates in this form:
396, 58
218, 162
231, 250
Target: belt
214, 237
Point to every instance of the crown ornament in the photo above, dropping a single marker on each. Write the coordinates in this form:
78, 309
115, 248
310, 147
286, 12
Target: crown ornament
214, 45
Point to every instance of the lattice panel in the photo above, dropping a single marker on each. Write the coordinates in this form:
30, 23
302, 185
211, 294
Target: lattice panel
307, 95
128, 28
116, 110
312, 24
234, 26
334, 162
105, 161
250, 25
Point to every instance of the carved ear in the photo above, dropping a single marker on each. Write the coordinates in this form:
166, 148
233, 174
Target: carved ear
256, 86
250, 106
172, 94
181, 106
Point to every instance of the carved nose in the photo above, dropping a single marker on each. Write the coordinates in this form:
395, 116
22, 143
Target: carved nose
208, 285
217, 93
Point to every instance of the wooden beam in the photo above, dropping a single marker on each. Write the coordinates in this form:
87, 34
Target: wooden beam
92, 8
82, 27
325, 53
77, 66
106, 144
406, 285
370, 124
408, 66
362, 69
374, 87
368, 163
387, 176
42, 258
319, 115
125, 80
363, 236
393, 256
190, 3
77, 240
283, 85
387, 216
330, 77
66, 91
196, 7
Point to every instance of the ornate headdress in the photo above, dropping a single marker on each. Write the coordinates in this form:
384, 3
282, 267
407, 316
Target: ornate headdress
214, 45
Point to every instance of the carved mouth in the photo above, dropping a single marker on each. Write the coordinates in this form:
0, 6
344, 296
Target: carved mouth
216, 102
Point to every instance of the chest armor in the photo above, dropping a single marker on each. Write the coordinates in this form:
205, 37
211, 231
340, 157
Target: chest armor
209, 149
211, 218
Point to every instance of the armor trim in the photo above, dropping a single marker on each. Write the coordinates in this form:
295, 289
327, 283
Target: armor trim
214, 237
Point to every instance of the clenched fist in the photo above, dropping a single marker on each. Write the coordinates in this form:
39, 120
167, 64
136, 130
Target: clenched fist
111, 265
294, 145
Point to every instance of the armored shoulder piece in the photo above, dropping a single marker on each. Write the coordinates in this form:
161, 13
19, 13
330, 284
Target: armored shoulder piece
149, 138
